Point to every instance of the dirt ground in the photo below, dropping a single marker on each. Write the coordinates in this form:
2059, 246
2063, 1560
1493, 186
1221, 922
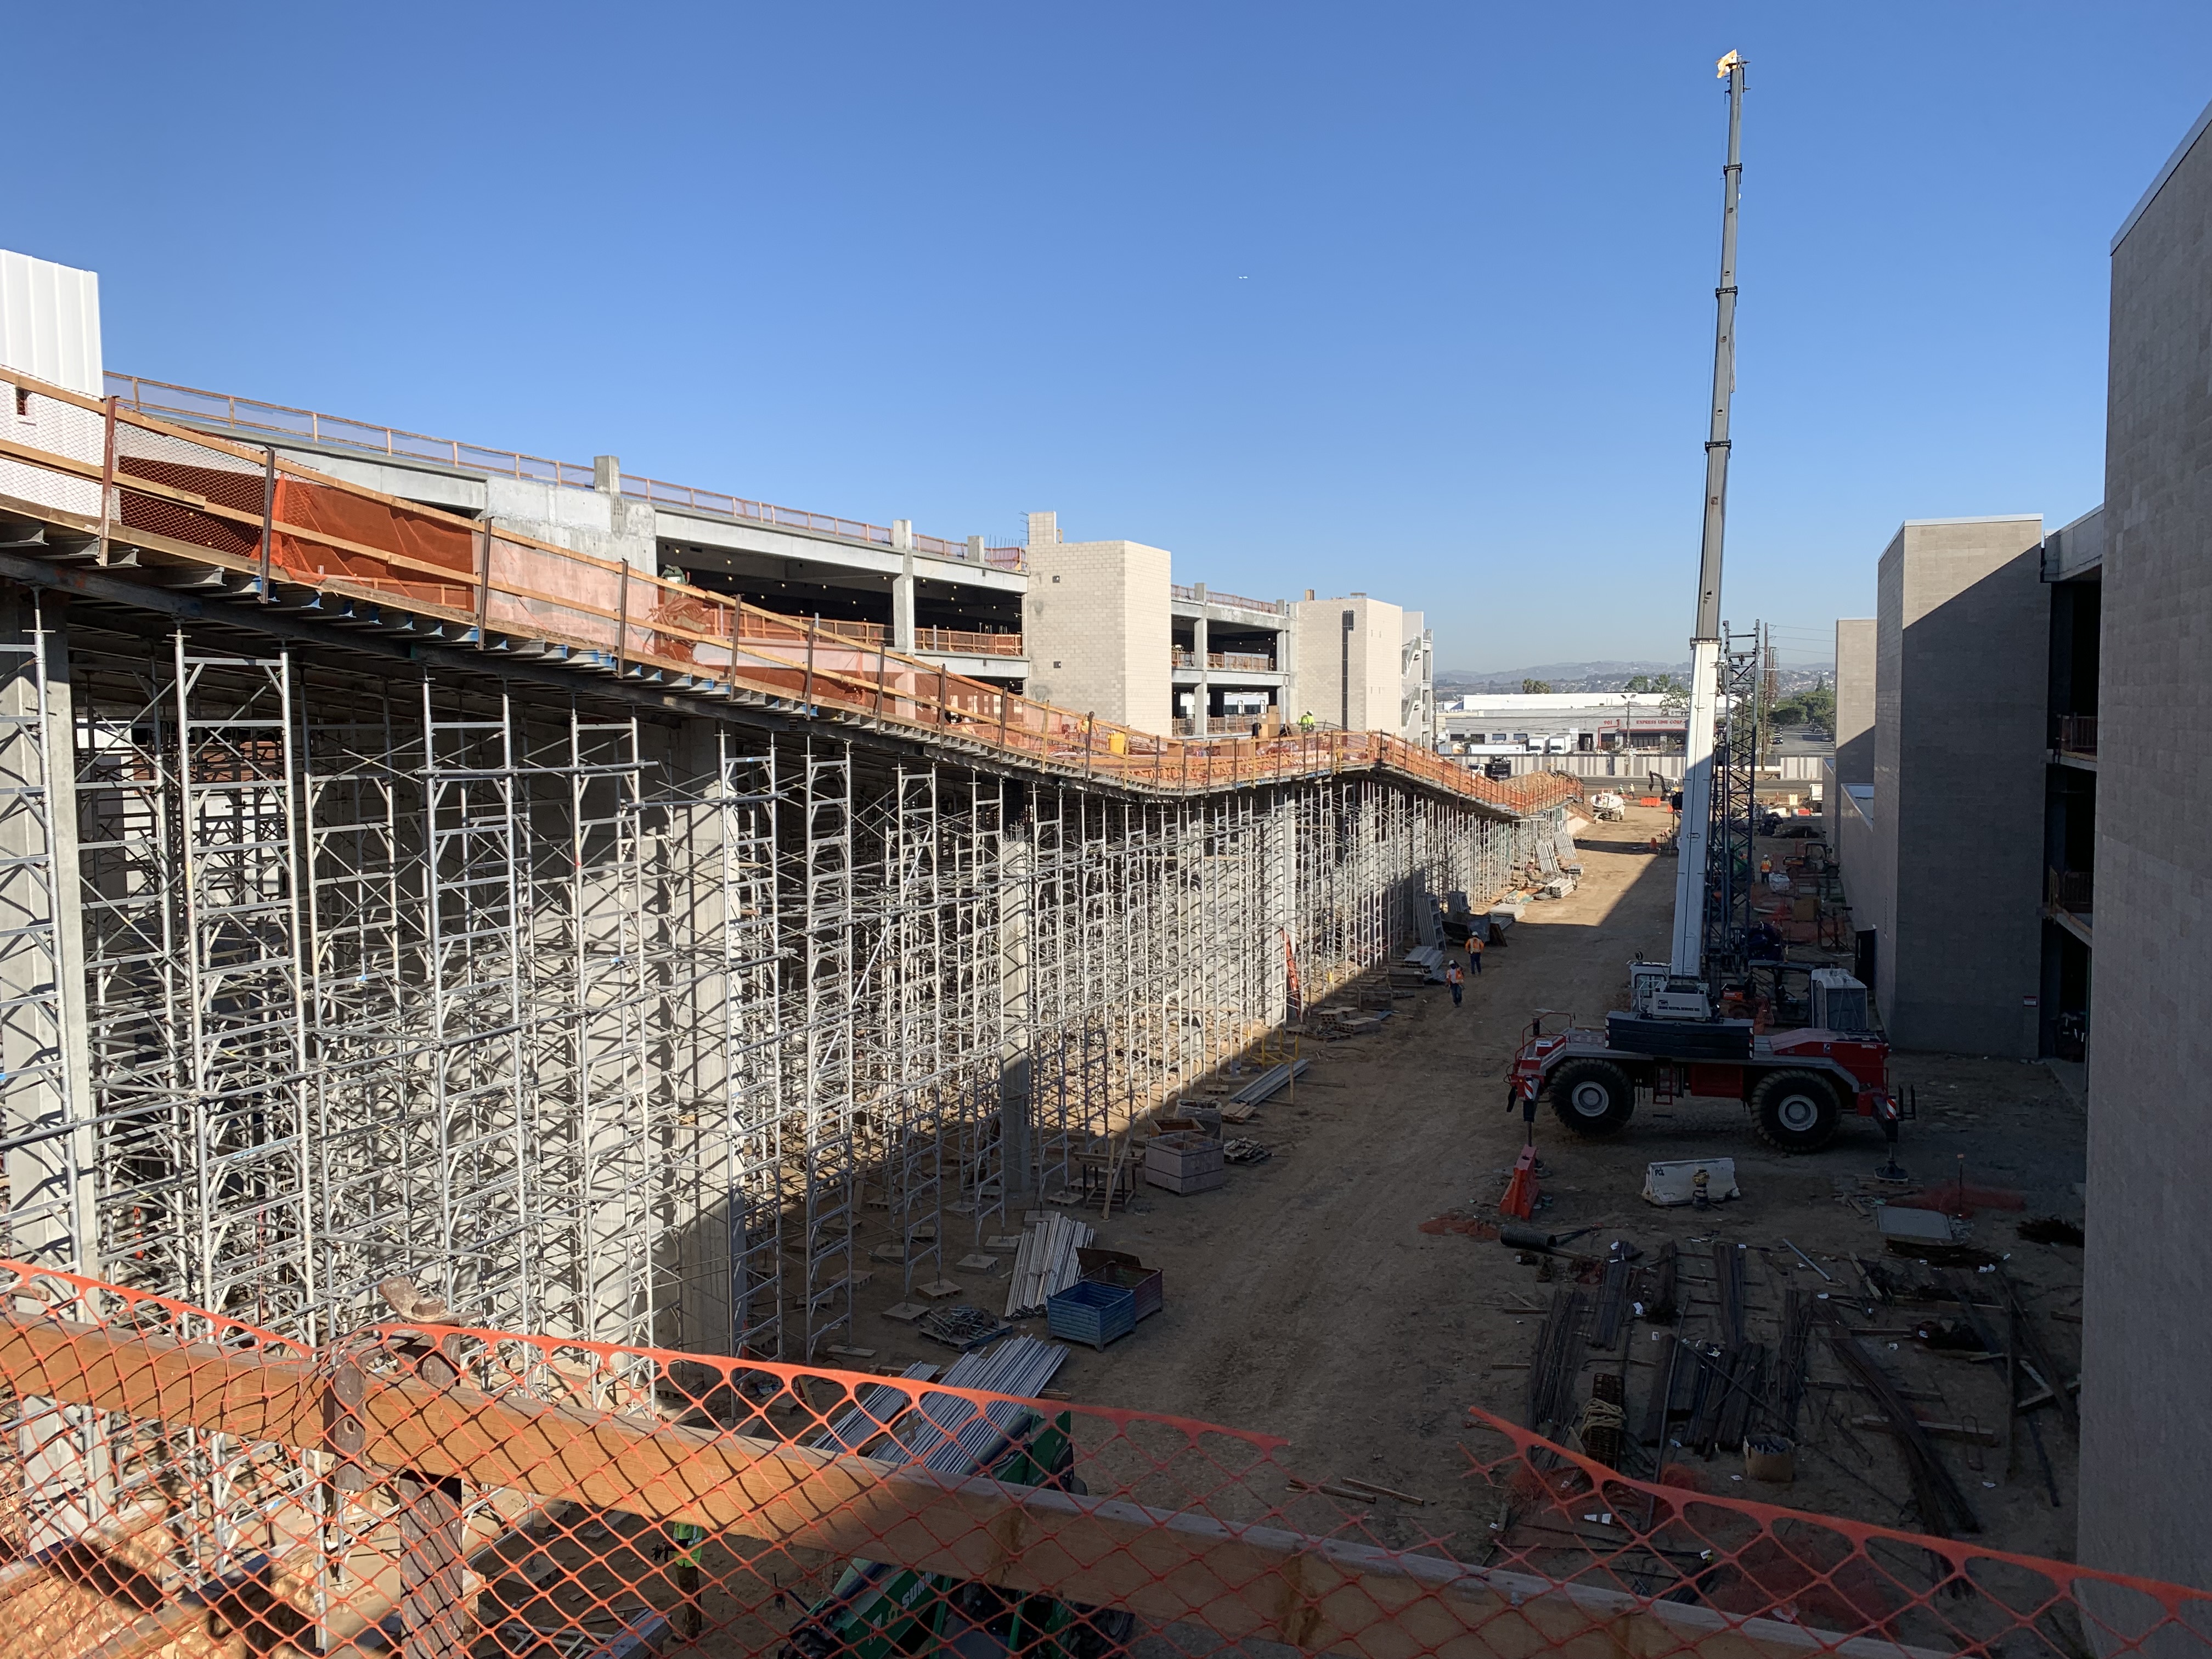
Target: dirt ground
1304, 1300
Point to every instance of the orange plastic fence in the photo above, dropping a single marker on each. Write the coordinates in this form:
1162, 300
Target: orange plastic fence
176, 1482
184, 495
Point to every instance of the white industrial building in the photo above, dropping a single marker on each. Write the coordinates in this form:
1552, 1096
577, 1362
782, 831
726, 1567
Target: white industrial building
1563, 722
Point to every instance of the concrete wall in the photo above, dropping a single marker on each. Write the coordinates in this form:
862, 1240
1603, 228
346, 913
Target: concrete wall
1096, 627
596, 522
1376, 661
2147, 1343
1961, 648
1855, 660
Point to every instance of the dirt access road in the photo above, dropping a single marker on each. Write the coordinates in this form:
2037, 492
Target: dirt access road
1303, 1300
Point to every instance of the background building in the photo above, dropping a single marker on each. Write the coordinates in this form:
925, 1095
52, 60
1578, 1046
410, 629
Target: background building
1586, 721
1096, 623
1940, 873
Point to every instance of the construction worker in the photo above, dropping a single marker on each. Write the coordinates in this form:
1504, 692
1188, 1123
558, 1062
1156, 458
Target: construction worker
1455, 979
1306, 724
1475, 946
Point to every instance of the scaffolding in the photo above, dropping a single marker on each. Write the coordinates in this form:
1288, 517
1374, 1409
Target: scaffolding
615, 1024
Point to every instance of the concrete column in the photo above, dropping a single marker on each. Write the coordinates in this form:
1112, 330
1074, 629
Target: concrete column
975, 550
1016, 876
902, 532
902, 605
1201, 702
47, 1089
606, 474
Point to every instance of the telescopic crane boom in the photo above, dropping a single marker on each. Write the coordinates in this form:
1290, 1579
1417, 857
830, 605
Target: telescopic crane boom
1687, 958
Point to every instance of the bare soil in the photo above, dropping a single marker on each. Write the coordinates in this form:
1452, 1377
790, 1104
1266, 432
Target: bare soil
1303, 1300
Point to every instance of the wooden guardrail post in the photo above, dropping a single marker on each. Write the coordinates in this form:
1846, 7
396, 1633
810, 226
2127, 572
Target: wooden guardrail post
435, 1620
107, 480
268, 515
484, 583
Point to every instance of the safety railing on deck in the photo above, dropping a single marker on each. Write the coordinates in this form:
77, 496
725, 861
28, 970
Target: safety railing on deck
253, 416
129, 479
1192, 596
1250, 661
177, 1482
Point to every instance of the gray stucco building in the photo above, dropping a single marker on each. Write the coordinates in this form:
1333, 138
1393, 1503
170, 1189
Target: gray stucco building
1949, 877
2146, 1342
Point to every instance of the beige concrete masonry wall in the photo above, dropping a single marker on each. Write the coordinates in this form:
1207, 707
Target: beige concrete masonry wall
1376, 661
1097, 629
2146, 1338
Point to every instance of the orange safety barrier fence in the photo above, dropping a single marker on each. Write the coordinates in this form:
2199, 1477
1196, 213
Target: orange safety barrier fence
177, 494
175, 1482
251, 414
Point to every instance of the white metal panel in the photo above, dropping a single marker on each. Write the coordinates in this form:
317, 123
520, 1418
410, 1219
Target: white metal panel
50, 329
50, 322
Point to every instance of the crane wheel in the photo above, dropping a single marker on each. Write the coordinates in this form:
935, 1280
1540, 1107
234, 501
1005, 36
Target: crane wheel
1593, 1097
1795, 1111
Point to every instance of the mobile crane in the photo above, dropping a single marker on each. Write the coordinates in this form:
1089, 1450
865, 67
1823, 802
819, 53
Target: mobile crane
1671, 1040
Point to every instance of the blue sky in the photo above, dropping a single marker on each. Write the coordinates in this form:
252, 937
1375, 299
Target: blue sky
1413, 299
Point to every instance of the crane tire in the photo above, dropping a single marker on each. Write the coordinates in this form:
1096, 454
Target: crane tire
1593, 1097
1795, 1111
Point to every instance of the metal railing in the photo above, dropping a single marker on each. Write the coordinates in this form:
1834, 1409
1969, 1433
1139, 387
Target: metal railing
2072, 890
1268, 607
268, 523
2075, 734
1251, 661
253, 415
966, 642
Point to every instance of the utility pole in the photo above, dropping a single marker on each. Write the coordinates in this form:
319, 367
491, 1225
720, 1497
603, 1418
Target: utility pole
1686, 961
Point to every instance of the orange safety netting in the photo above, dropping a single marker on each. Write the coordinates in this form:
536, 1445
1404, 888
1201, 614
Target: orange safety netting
177, 1482
187, 492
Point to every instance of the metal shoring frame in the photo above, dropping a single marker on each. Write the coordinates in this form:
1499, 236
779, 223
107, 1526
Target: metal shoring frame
478, 957
372, 1146
51, 1151
918, 1080
1056, 922
65, 1474
246, 1065
753, 1047
599, 1098
976, 843
826, 1051
130, 856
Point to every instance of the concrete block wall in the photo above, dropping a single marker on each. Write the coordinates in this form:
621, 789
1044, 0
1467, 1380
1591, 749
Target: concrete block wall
1961, 647
1377, 662
1096, 627
2146, 1342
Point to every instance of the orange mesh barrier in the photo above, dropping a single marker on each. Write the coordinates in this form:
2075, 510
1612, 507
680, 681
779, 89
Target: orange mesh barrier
179, 1483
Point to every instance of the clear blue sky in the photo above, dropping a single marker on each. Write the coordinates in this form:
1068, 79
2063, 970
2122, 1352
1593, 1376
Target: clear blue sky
1414, 299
